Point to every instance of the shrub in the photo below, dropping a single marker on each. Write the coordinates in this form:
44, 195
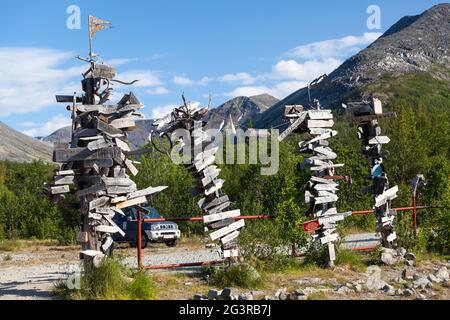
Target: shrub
109, 281
240, 275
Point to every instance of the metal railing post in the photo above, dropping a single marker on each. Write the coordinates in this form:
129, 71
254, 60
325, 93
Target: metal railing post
139, 239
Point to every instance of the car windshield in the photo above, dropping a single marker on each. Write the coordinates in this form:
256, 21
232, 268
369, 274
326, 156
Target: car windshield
152, 213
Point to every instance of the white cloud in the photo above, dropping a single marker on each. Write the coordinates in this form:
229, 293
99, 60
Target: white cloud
159, 112
279, 90
307, 71
241, 77
335, 47
305, 63
119, 61
43, 130
158, 91
146, 78
30, 78
185, 81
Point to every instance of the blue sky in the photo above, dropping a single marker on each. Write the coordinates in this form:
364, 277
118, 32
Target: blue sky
226, 48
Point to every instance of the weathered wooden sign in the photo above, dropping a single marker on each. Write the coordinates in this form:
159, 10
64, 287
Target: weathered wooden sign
367, 114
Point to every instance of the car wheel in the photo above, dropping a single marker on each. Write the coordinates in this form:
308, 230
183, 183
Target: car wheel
144, 241
172, 243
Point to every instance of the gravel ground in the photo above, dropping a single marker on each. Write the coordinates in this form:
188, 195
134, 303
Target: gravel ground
31, 273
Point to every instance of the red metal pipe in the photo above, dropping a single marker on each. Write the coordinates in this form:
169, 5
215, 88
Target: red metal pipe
139, 239
364, 248
191, 219
184, 265
415, 215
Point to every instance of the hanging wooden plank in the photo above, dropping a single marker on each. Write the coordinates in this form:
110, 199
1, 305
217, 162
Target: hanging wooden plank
93, 189
330, 238
230, 253
379, 140
132, 202
107, 244
91, 253
101, 163
318, 131
206, 154
320, 123
230, 237
134, 171
146, 192
386, 196
202, 164
328, 166
61, 180
120, 182
215, 202
123, 123
391, 237
83, 154
221, 223
106, 229
107, 129
120, 190
98, 144
100, 202
111, 221
217, 186
320, 114
219, 208
297, 123
226, 230
122, 145
117, 210
328, 199
95, 216
221, 216
65, 173
92, 138
60, 189
326, 187
81, 133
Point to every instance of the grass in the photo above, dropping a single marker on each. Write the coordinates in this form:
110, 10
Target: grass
351, 259
16, 245
317, 296
110, 281
10, 245
237, 275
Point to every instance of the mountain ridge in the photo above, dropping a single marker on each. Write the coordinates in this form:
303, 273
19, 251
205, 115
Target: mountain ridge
414, 44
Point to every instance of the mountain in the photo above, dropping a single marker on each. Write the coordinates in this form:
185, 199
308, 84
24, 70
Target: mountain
240, 109
16, 146
415, 44
63, 135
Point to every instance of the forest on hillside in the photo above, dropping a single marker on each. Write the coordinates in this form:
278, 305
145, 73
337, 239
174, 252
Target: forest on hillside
420, 144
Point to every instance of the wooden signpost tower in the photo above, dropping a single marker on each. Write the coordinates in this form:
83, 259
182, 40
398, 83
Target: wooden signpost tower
96, 164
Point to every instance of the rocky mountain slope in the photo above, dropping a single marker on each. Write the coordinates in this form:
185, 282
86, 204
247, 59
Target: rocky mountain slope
16, 146
240, 109
414, 44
